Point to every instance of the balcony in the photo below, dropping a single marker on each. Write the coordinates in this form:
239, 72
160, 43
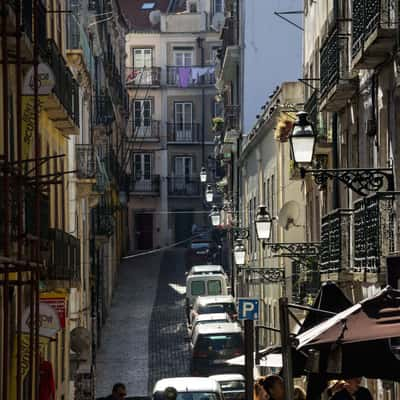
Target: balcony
104, 112
143, 77
184, 186
63, 266
230, 53
145, 186
145, 130
198, 76
62, 105
103, 222
232, 117
374, 229
337, 82
335, 244
374, 28
183, 133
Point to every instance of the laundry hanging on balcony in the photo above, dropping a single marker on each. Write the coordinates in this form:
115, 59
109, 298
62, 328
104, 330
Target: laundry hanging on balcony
198, 72
184, 75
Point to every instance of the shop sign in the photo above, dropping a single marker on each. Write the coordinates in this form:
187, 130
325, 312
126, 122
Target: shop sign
46, 81
58, 302
49, 322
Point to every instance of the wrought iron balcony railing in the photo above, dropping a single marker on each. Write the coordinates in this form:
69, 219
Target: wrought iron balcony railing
335, 241
374, 236
66, 88
63, 262
148, 76
368, 16
191, 76
184, 186
311, 107
103, 221
232, 117
104, 112
183, 132
150, 184
145, 129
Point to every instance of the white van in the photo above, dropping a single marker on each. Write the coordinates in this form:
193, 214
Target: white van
204, 285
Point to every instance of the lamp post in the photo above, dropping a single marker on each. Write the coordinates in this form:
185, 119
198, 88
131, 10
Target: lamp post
215, 216
361, 180
239, 252
209, 194
263, 223
203, 175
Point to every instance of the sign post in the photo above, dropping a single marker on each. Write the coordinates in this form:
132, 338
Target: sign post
249, 312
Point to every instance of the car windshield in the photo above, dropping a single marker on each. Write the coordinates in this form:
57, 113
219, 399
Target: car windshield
190, 396
209, 321
220, 342
214, 288
200, 245
198, 288
217, 308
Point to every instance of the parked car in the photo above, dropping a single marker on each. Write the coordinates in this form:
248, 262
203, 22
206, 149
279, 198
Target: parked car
212, 345
212, 305
233, 386
206, 269
202, 251
209, 318
189, 389
204, 285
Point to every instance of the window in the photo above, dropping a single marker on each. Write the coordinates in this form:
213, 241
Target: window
148, 5
183, 121
218, 6
198, 288
142, 58
142, 166
214, 288
183, 166
183, 57
141, 116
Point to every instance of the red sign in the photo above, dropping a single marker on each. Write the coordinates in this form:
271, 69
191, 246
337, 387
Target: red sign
59, 304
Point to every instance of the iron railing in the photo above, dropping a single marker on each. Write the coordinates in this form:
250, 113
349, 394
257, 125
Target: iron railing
334, 58
104, 112
86, 161
197, 76
63, 261
143, 185
374, 236
369, 15
232, 117
145, 129
335, 241
183, 133
148, 76
184, 186
230, 36
103, 221
311, 107
66, 88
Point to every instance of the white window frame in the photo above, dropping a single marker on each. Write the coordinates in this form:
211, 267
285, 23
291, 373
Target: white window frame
142, 128
183, 127
187, 57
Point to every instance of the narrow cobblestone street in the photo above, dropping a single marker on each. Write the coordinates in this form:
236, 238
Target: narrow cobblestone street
144, 337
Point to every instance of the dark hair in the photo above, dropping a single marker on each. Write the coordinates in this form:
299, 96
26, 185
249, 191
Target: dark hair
117, 386
270, 381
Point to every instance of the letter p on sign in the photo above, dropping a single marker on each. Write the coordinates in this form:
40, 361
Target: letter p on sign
248, 309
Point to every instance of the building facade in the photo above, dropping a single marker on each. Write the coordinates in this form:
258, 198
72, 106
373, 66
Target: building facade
171, 51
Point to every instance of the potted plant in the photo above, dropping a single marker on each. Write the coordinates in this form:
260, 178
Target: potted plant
218, 124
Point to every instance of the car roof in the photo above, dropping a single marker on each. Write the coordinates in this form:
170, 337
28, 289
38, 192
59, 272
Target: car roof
188, 385
199, 277
218, 327
227, 377
206, 268
211, 316
204, 300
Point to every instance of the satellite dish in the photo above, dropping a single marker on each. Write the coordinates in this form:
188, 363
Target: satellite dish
289, 215
218, 21
80, 342
155, 17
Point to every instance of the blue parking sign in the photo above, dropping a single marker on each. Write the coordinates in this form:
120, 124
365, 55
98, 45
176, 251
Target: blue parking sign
248, 309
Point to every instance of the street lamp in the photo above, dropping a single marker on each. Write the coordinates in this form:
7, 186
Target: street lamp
203, 175
215, 216
263, 223
209, 194
239, 252
302, 139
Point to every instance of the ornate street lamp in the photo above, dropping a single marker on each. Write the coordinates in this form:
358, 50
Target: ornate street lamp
203, 175
239, 252
215, 216
362, 181
302, 139
209, 194
263, 223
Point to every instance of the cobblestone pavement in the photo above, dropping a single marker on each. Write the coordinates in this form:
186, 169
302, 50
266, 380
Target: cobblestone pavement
168, 350
123, 356
144, 337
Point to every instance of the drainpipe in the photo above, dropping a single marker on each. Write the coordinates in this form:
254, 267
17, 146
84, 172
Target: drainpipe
335, 186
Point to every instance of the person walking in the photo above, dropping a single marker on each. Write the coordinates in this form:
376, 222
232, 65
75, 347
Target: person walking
118, 392
350, 389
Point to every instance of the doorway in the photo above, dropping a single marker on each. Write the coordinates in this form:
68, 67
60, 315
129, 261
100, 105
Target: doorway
144, 231
183, 226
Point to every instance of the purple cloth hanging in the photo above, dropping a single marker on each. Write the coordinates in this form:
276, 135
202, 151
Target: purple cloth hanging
185, 75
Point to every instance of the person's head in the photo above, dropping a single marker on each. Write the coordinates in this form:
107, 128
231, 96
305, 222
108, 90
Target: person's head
259, 391
119, 391
353, 384
273, 385
299, 393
